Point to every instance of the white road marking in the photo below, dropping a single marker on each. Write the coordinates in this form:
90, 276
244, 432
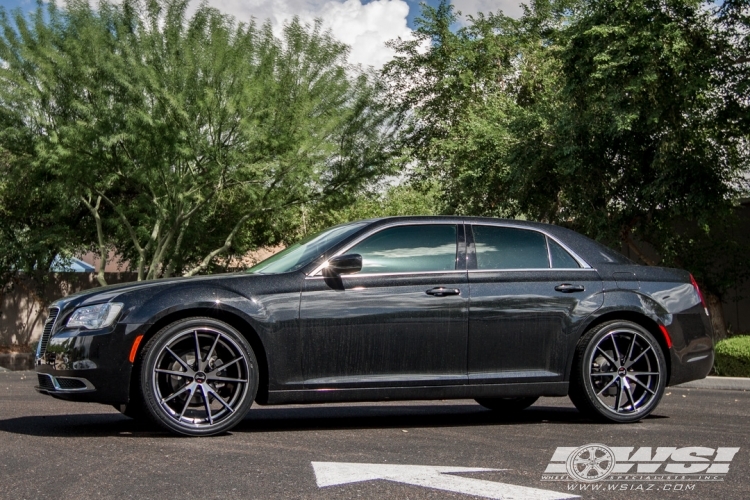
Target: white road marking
428, 476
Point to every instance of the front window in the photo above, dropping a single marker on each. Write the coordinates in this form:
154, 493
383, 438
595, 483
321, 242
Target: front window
413, 248
302, 253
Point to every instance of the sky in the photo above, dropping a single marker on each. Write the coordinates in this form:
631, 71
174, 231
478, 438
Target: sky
365, 25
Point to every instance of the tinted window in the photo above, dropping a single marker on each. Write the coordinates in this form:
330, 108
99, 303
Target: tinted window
416, 248
561, 259
303, 252
510, 248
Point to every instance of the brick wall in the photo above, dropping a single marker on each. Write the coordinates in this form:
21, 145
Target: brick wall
23, 307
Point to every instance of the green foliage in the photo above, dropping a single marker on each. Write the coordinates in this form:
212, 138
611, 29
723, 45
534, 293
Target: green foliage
455, 111
184, 138
402, 199
732, 357
618, 118
36, 222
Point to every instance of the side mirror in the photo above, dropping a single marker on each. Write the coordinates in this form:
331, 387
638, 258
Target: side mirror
345, 264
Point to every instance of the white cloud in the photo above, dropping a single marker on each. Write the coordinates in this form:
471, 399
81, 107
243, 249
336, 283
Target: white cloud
509, 7
365, 27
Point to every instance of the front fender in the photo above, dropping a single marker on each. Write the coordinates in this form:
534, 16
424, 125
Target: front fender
215, 298
272, 317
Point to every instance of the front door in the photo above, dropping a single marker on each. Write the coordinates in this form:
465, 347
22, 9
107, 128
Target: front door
528, 294
401, 321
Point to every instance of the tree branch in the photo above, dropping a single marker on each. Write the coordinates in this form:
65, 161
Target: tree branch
171, 265
134, 237
103, 250
227, 244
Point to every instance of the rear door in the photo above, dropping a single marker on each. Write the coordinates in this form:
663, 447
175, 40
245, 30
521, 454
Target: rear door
401, 321
528, 293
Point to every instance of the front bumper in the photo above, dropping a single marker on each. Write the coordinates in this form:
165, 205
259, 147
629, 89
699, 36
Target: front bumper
50, 384
89, 366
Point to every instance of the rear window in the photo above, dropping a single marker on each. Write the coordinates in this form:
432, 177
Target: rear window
510, 248
560, 258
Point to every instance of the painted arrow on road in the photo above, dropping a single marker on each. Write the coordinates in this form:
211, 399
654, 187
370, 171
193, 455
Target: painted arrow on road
428, 476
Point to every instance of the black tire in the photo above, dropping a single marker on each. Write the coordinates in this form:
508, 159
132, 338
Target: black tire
507, 405
618, 360
182, 382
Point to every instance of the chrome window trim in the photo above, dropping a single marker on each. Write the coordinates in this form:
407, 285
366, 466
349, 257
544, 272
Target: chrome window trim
404, 273
549, 251
316, 272
535, 269
584, 265
576, 257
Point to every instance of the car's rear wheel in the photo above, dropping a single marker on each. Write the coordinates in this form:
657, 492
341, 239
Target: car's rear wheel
507, 405
198, 377
619, 372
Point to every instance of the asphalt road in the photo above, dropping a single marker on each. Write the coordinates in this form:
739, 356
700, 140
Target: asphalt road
55, 449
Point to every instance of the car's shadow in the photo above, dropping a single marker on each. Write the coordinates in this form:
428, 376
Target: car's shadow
305, 418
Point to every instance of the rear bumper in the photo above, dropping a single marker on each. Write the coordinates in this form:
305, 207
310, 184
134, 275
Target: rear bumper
89, 366
694, 368
692, 353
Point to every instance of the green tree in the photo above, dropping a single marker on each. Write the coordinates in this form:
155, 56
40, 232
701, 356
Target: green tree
187, 138
37, 224
381, 201
618, 118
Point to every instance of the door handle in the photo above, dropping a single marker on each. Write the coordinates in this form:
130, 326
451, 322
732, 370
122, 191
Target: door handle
568, 288
442, 291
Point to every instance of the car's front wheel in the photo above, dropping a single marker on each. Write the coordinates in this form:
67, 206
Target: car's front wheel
198, 377
619, 372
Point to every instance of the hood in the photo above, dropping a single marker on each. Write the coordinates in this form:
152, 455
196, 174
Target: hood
107, 293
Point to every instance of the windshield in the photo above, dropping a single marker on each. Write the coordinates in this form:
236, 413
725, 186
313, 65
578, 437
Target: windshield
303, 252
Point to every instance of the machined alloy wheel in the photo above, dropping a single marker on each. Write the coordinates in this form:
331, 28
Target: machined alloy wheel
619, 372
198, 377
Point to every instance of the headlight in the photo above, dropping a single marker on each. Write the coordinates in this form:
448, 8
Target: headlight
93, 317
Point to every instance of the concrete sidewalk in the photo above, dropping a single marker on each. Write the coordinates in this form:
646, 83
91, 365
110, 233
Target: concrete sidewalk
719, 383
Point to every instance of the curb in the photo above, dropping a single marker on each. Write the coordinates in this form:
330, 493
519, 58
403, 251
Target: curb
718, 383
15, 361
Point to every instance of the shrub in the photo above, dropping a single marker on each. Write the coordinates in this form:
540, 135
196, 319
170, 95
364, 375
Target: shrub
733, 357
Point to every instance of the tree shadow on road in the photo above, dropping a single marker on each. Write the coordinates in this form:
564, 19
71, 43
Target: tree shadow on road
80, 425
303, 418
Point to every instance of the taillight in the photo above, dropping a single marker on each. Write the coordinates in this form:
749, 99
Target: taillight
700, 295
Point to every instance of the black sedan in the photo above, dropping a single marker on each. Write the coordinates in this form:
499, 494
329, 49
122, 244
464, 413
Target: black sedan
500, 311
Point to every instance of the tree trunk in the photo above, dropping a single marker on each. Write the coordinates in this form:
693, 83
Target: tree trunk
103, 250
716, 311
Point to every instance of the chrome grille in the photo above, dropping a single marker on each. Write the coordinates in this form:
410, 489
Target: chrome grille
48, 326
